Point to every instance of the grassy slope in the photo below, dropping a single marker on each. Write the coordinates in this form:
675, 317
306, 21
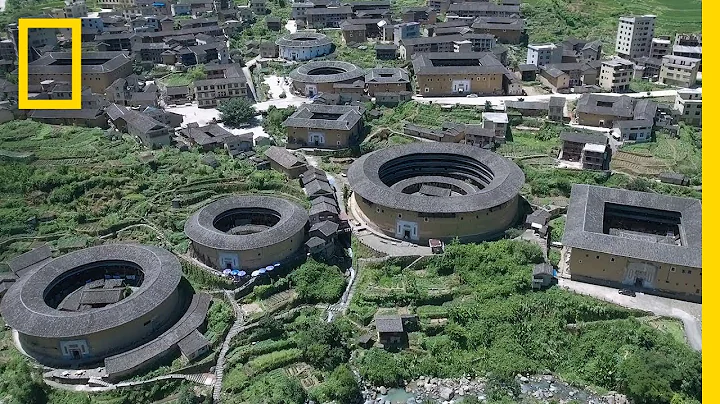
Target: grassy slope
552, 20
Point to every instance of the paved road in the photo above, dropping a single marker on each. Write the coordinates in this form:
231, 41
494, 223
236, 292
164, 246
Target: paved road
689, 313
543, 97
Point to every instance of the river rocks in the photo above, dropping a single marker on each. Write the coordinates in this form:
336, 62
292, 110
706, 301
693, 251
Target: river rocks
543, 388
446, 393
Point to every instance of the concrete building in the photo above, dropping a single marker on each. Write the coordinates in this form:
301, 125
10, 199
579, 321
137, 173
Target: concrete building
99, 69
120, 306
447, 74
430, 190
659, 47
634, 36
628, 239
324, 126
448, 43
590, 149
247, 232
304, 45
406, 30
210, 92
543, 54
688, 103
556, 109
679, 71
615, 75
633, 130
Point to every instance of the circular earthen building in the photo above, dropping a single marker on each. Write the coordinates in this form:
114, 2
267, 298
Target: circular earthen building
88, 305
304, 46
321, 77
423, 191
247, 232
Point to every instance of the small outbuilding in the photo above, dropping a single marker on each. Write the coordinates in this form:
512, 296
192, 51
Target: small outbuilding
543, 276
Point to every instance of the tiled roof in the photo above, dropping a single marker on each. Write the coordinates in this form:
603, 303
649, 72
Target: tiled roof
200, 227
585, 219
24, 307
304, 117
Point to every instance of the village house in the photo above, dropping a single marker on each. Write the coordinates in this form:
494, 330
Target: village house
284, 161
679, 71
508, 30
386, 80
324, 126
589, 149
330, 17
615, 75
210, 92
688, 104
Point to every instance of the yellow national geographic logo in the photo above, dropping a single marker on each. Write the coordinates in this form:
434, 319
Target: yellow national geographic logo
75, 26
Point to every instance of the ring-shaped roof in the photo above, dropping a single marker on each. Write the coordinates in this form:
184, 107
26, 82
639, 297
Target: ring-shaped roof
200, 227
505, 184
24, 307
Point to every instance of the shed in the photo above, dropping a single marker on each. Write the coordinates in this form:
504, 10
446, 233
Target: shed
193, 345
543, 275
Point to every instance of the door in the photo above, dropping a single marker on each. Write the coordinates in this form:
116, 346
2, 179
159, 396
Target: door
316, 139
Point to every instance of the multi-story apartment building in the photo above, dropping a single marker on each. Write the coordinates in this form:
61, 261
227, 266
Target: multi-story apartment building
210, 92
679, 70
688, 103
543, 54
615, 75
634, 36
659, 47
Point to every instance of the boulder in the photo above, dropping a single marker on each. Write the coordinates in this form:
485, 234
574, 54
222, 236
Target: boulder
446, 393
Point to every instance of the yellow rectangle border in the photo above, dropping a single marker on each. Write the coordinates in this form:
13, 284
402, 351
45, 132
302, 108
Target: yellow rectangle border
75, 26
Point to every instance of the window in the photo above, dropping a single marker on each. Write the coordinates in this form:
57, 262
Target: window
672, 269
426, 219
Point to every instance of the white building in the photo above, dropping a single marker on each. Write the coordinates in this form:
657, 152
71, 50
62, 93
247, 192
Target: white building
634, 36
615, 75
639, 130
688, 102
679, 71
544, 54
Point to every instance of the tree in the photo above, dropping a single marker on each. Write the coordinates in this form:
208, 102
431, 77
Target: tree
187, 396
488, 106
340, 386
317, 282
323, 344
236, 111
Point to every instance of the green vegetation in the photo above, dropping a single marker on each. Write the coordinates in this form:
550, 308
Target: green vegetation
555, 20
83, 184
187, 78
641, 86
272, 122
298, 351
318, 282
494, 324
362, 55
236, 112
681, 154
557, 229
219, 319
428, 115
